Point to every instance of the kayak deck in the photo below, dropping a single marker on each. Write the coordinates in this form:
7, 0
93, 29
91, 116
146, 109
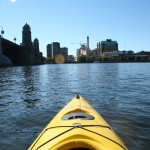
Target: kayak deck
78, 126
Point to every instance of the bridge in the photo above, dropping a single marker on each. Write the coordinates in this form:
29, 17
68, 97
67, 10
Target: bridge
11, 50
20, 55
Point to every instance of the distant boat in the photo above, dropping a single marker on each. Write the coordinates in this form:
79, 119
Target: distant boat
96, 62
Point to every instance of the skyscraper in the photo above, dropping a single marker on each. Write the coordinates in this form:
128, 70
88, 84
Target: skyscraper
49, 51
64, 52
55, 47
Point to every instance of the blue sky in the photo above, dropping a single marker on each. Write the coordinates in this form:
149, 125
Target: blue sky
71, 21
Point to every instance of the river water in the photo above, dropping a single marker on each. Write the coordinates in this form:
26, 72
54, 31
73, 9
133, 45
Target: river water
31, 96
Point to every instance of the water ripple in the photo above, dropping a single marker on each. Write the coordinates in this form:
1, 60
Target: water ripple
119, 92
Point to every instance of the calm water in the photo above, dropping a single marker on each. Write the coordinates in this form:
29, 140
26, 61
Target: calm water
31, 96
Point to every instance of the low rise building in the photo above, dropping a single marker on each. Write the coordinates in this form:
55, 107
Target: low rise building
109, 46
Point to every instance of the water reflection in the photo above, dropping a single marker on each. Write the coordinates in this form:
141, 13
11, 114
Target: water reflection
120, 92
28, 87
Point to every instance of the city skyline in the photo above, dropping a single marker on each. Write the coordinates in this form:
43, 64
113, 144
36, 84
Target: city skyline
72, 21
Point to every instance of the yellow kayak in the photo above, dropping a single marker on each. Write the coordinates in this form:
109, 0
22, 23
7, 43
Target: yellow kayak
78, 126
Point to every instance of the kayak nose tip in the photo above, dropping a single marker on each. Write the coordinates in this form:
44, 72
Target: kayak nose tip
77, 97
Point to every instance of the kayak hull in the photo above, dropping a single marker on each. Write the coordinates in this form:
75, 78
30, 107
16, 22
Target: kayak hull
78, 126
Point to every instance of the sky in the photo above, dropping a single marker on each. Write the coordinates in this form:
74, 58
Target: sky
69, 22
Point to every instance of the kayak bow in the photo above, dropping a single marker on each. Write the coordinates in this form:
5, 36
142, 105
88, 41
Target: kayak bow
78, 126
